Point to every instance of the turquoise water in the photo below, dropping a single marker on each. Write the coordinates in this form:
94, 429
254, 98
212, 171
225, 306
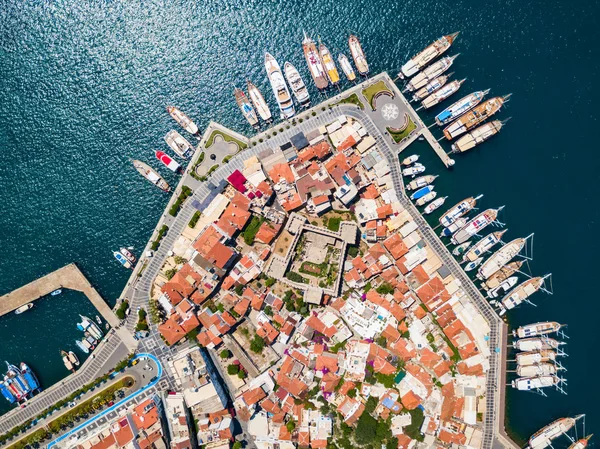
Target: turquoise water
83, 88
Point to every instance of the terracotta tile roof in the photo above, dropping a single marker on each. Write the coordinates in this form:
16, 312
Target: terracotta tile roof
291, 203
210, 247
266, 233
242, 306
326, 363
329, 382
303, 439
281, 171
410, 400
171, 331
452, 438
431, 290
420, 274
349, 142
384, 211
145, 414
251, 397
403, 441
370, 192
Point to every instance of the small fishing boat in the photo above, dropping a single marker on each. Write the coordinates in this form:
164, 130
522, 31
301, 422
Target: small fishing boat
258, 101
329, 64
442, 94
73, 358
128, 255
82, 347
474, 117
426, 198
477, 136
315, 67
98, 320
458, 210
360, 60
472, 265
410, 160
56, 292
66, 361
455, 226
168, 161
434, 205
483, 245
246, 107
23, 308
502, 274
280, 89
476, 225
460, 249
151, 175
537, 329
421, 192
298, 87
346, 67
503, 287
122, 259
421, 181
414, 170
431, 72
184, 121
463, 105
431, 87
426, 56
179, 144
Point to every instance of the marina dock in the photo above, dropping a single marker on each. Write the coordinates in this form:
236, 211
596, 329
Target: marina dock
69, 277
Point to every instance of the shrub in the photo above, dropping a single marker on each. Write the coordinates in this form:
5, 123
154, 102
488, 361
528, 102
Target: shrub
384, 289
121, 311
170, 273
252, 229
270, 282
257, 344
313, 113
179, 260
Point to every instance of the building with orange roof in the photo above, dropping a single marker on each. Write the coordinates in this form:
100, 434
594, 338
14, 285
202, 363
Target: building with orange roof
267, 233
396, 246
212, 253
350, 409
281, 171
171, 331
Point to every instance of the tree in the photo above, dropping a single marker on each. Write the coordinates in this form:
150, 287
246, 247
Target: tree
257, 344
225, 354
352, 393
365, 429
371, 404
268, 310
241, 374
269, 282
232, 369
237, 445
290, 425
384, 289
170, 273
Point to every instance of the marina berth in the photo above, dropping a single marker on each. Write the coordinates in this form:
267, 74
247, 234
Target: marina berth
315, 67
472, 265
536, 357
426, 198
358, 55
421, 181
151, 175
73, 358
542, 369
519, 294
258, 101
535, 383
346, 67
483, 245
428, 55
280, 89
537, 329
502, 274
430, 73
463, 105
168, 162
536, 344
477, 136
179, 144
431, 87
66, 361
245, 106
297, 84
543, 437
501, 258
184, 121
476, 225
434, 205
442, 94
329, 64
82, 347
458, 210
474, 117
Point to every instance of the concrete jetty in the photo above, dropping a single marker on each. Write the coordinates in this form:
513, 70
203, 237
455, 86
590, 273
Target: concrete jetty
69, 277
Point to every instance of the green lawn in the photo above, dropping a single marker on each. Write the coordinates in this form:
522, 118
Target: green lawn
226, 137
251, 230
371, 91
334, 224
399, 136
352, 99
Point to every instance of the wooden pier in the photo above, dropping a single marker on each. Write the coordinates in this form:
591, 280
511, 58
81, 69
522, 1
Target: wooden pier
69, 277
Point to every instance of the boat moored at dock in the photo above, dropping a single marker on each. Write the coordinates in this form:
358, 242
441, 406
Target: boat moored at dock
536, 357
413, 170
501, 258
474, 117
122, 259
537, 329
463, 105
168, 162
535, 383
477, 136
151, 175
542, 369
421, 192
438, 202
536, 344
297, 84
520, 293
244, 104
410, 160
426, 198
543, 437
458, 210
483, 245
421, 181
315, 67
460, 249
329, 64
503, 288
130, 257
581, 443
455, 226
476, 225
430, 73
73, 358
280, 89
179, 144
502, 274
358, 55
346, 67
65, 358
431, 87
184, 121
259, 102
426, 56
82, 347
23, 308
442, 94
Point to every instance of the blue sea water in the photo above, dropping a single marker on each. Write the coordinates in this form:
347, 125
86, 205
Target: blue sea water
84, 85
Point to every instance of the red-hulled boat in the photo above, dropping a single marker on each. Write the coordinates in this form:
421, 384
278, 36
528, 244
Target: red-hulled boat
168, 161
